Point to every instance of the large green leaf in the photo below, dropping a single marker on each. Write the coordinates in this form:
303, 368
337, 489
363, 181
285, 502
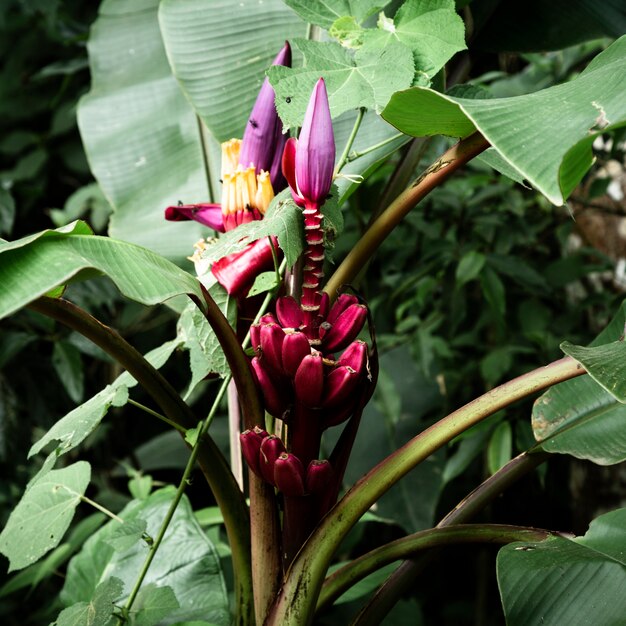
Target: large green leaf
32, 266
219, 52
581, 418
186, 562
559, 581
546, 136
39, 521
142, 138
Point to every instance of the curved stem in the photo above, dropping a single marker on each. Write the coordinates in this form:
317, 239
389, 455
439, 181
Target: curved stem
149, 411
439, 171
343, 159
213, 464
309, 567
356, 570
404, 577
353, 156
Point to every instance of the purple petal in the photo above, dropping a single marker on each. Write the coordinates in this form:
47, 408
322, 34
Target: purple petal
208, 214
315, 154
264, 127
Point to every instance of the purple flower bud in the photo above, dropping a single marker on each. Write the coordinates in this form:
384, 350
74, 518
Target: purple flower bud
309, 380
324, 304
289, 312
268, 318
276, 400
263, 140
255, 338
289, 475
340, 385
342, 303
271, 448
250, 447
308, 163
237, 271
208, 214
271, 341
318, 476
345, 328
295, 347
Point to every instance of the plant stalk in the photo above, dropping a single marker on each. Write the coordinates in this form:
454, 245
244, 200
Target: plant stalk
308, 569
404, 577
438, 172
347, 576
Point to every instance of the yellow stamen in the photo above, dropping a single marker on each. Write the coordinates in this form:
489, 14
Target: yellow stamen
264, 192
230, 156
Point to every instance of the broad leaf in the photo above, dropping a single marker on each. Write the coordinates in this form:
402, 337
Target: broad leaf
367, 79
325, 13
39, 521
581, 418
69, 368
98, 611
560, 581
219, 53
32, 266
546, 136
186, 561
141, 136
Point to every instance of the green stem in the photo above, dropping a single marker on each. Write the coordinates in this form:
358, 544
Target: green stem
403, 579
409, 546
149, 411
102, 509
438, 172
343, 159
213, 464
353, 156
308, 569
195, 451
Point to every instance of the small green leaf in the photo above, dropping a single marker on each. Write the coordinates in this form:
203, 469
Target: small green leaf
266, 281
153, 604
98, 611
191, 435
126, 535
366, 80
40, 519
500, 447
7, 212
140, 486
347, 31
68, 365
493, 290
325, 13
469, 267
